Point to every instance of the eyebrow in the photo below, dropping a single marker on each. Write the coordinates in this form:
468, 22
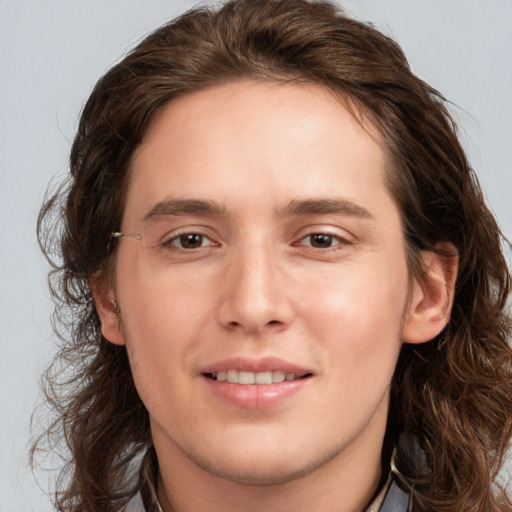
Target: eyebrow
184, 207
336, 206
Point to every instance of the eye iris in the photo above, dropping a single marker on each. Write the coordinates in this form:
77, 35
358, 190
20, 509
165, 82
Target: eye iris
321, 240
191, 241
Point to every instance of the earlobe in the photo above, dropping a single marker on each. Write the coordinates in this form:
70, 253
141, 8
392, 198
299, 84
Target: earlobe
432, 295
108, 310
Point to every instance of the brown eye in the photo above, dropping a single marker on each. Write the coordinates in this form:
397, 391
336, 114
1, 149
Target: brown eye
321, 240
189, 241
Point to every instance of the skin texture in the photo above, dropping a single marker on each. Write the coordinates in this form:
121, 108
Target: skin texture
257, 286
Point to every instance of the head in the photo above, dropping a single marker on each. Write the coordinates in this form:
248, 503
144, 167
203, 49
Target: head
455, 372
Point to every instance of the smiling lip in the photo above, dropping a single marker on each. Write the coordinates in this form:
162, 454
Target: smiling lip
287, 380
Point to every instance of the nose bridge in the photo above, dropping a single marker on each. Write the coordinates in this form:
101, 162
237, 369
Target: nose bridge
254, 297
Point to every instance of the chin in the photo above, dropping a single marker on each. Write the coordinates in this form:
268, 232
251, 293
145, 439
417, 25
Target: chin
260, 466
267, 474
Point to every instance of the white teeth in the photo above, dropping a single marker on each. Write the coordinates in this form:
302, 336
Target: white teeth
232, 376
279, 376
263, 378
244, 377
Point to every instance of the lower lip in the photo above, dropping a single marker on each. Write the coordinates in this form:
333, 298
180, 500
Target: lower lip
256, 396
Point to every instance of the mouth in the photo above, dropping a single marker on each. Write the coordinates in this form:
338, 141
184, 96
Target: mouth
256, 383
250, 378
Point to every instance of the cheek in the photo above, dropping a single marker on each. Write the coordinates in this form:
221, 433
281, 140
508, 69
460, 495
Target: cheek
157, 303
163, 324
162, 320
360, 315
160, 340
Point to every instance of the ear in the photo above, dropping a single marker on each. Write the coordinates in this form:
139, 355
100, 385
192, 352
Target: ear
432, 295
108, 310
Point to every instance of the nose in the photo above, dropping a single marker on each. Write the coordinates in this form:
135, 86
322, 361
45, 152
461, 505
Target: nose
255, 297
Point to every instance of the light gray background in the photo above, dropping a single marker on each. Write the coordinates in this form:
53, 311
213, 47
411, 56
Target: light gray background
51, 54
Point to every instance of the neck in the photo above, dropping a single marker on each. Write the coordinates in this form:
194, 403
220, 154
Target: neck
301, 495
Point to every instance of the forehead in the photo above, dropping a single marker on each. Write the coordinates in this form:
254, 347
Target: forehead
244, 140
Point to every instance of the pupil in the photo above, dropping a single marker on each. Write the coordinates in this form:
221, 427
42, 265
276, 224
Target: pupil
321, 240
191, 241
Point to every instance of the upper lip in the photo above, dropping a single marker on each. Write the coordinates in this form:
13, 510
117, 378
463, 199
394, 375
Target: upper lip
262, 364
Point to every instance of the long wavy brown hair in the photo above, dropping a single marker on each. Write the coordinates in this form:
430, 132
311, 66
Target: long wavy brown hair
453, 395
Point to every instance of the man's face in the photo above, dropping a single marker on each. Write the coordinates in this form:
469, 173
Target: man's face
271, 250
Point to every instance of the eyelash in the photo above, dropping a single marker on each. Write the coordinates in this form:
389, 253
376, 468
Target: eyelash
331, 237
340, 241
170, 242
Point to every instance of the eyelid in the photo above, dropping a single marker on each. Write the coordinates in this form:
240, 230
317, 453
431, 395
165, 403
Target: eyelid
331, 235
171, 236
326, 229
175, 239
340, 242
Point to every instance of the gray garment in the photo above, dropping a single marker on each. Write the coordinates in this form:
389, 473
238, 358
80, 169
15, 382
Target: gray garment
396, 500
